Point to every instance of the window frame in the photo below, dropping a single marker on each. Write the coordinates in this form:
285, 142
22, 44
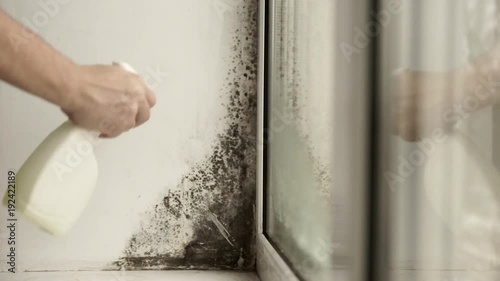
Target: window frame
355, 117
270, 264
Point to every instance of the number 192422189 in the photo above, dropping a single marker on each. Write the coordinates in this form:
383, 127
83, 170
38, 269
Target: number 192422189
11, 194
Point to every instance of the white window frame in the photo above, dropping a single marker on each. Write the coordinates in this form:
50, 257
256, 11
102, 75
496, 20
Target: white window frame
270, 265
352, 118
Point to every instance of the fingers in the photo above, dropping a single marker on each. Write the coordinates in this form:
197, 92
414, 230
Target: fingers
68, 113
111, 100
110, 129
105, 136
121, 119
151, 98
145, 100
128, 116
143, 114
140, 90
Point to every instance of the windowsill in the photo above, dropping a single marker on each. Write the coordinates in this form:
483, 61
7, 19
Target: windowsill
132, 276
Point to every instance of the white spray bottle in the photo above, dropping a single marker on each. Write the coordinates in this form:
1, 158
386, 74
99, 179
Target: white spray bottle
56, 182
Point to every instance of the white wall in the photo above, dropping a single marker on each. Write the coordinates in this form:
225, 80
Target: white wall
190, 40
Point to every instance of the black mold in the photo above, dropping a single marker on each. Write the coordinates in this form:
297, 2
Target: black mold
218, 196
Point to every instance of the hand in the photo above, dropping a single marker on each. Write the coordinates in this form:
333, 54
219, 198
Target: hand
109, 99
423, 99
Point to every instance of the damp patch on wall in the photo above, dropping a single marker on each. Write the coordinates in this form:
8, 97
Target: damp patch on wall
213, 207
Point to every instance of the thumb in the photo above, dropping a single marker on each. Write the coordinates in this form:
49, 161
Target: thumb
69, 114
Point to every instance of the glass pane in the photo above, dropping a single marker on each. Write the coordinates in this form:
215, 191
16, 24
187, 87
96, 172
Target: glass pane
440, 133
300, 134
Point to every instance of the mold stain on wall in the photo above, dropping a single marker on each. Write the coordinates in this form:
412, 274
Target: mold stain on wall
213, 207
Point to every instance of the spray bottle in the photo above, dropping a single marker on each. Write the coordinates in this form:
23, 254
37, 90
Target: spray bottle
57, 181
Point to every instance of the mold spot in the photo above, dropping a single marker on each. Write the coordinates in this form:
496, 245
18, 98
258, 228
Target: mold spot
208, 220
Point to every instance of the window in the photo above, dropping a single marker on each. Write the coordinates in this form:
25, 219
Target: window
313, 162
379, 123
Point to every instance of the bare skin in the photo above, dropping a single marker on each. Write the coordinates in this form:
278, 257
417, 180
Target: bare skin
427, 101
101, 98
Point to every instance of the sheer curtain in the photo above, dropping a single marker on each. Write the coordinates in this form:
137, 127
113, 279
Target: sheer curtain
442, 184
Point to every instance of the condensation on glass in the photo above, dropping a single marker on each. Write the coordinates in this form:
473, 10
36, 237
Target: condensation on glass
300, 193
